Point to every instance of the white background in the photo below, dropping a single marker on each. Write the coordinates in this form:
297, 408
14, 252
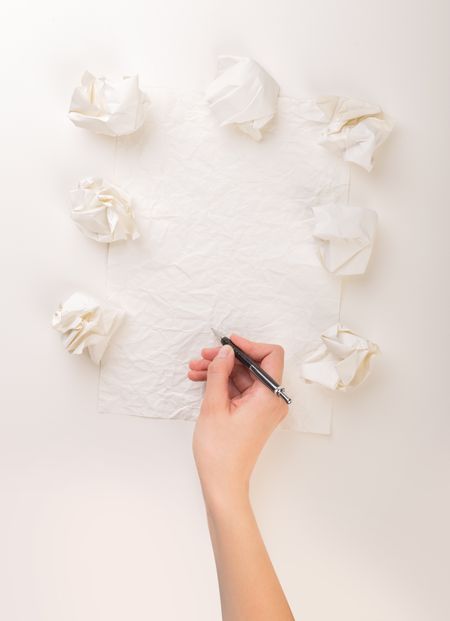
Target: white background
101, 516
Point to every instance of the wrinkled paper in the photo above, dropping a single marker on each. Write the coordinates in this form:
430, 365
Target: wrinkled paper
86, 325
354, 129
345, 237
226, 242
341, 361
107, 107
102, 211
243, 94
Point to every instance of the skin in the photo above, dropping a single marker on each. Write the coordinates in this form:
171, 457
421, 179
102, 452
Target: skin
237, 416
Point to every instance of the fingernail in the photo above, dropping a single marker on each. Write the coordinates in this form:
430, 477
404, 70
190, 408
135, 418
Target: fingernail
224, 351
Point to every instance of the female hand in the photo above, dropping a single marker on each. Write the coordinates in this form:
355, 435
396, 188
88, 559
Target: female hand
237, 416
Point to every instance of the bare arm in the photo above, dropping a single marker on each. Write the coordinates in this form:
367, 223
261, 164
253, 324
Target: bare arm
237, 417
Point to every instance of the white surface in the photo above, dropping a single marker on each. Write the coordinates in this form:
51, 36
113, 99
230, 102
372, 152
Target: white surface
101, 516
226, 241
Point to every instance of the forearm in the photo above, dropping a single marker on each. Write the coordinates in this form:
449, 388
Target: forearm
249, 587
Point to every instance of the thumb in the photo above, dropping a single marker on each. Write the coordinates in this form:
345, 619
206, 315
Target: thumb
216, 393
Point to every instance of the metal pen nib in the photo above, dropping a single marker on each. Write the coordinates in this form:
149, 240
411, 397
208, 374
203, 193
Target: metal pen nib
217, 334
253, 367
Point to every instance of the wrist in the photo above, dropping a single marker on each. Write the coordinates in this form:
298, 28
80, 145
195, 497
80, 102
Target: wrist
226, 499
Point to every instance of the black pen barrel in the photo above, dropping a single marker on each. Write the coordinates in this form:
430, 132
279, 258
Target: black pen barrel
251, 365
254, 368
264, 377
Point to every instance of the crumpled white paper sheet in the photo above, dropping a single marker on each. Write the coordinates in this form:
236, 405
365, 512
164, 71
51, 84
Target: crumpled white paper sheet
107, 107
226, 241
354, 129
345, 236
86, 325
102, 211
341, 361
243, 94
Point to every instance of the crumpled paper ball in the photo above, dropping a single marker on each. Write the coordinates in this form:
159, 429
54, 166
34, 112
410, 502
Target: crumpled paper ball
85, 324
341, 361
243, 94
345, 237
109, 108
355, 129
103, 211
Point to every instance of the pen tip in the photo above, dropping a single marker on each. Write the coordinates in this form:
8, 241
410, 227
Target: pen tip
216, 334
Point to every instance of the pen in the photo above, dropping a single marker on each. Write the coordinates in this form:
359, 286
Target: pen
253, 367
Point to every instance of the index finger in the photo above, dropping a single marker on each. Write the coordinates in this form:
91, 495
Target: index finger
270, 357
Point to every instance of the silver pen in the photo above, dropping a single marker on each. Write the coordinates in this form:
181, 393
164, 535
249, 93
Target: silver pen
253, 367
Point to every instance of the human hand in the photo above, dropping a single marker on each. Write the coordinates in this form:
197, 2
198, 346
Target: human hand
237, 416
